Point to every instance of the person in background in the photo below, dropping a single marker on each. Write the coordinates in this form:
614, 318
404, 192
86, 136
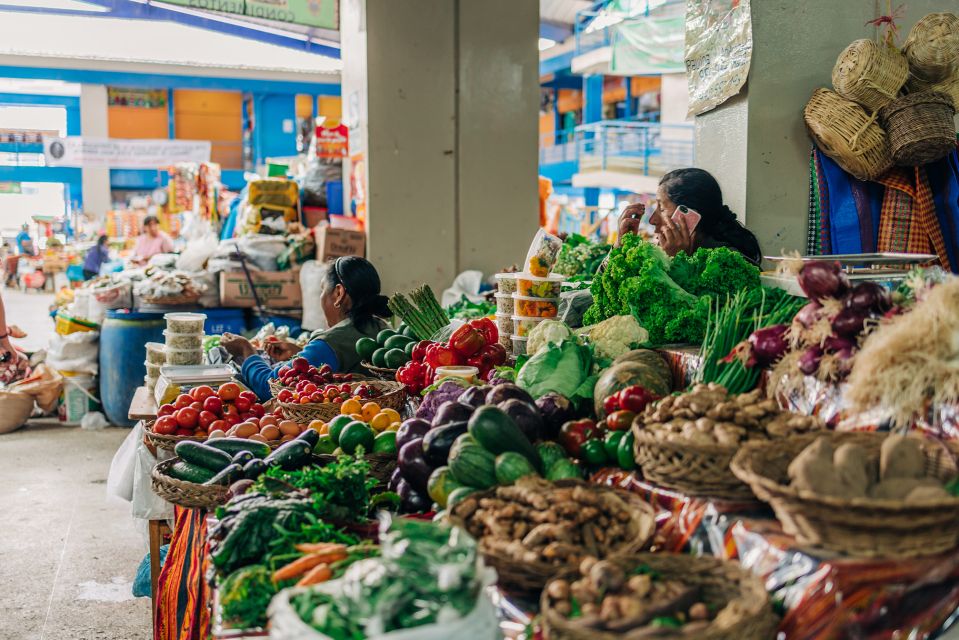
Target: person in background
14, 365
10, 263
151, 242
96, 258
354, 308
25, 242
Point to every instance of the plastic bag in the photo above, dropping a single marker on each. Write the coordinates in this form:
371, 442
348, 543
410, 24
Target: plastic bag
93, 421
573, 306
197, 252
210, 298
15, 409
143, 582
466, 284
44, 385
311, 285
76, 352
542, 254
262, 250
123, 465
146, 504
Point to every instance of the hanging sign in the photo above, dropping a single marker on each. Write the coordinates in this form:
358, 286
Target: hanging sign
719, 45
79, 151
332, 140
310, 13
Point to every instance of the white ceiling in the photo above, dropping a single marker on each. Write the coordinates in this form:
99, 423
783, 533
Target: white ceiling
561, 11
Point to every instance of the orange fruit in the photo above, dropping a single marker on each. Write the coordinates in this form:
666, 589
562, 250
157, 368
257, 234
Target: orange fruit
350, 406
370, 409
380, 422
393, 414
358, 417
394, 426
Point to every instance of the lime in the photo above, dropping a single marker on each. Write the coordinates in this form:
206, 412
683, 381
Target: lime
379, 357
365, 348
397, 342
325, 445
356, 434
384, 335
395, 358
408, 350
336, 426
385, 443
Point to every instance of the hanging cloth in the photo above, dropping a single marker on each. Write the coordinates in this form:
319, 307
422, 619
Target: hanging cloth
182, 600
849, 209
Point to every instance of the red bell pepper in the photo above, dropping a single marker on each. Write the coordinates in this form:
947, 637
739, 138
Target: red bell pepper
419, 351
414, 376
573, 434
635, 398
467, 341
440, 355
487, 328
496, 353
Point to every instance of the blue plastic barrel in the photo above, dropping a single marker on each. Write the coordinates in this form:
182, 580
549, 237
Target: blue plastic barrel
220, 321
123, 338
334, 197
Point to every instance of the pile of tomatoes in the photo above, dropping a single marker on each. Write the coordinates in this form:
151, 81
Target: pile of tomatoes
301, 371
308, 393
204, 409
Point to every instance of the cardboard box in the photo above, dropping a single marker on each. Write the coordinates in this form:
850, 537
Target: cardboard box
334, 243
278, 289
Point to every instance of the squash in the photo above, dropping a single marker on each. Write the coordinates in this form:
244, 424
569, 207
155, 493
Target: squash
642, 370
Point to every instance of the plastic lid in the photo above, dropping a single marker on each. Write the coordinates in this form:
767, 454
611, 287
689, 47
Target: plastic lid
552, 277
503, 295
156, 346
505, 276
519, 338
170, 350
533, 318
167, 332
184, 315
456, 372
517, 296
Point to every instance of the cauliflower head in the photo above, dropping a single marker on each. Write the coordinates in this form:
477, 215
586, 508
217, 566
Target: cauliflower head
615, 336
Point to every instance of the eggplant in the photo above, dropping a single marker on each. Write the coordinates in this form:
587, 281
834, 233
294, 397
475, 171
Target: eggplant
475, 396
451, 411
410, 430
437, 443
395, 478
413, 501
526, 416
413, 465
556, 410
240, 487
509, 391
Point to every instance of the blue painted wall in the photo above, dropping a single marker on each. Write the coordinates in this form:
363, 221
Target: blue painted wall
269, 114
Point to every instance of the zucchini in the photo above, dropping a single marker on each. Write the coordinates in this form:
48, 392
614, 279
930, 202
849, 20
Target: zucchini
497, 432
190, 472
254, 469
310, 435
234, 446
291, 455
228, 476
203, 455
511, 466
243, 457
474, 466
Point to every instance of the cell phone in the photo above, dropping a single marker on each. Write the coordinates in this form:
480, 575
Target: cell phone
687, 216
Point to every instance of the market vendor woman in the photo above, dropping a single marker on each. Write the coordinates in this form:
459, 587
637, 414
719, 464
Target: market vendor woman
353, 307
698, 191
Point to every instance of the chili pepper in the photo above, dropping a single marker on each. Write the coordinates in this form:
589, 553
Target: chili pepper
466, 341
624, 453
487, 328
440, 355
593, 453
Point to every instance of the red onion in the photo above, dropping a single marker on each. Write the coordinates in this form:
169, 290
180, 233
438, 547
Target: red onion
869, 297
809, 314
768, 345
835, 344
821, 279
809, 360
848, 322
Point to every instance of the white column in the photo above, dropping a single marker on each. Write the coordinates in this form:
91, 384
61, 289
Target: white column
93, 123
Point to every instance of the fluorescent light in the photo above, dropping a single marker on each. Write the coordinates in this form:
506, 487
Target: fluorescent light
546, 43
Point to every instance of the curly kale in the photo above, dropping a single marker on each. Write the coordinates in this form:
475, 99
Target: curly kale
715, 272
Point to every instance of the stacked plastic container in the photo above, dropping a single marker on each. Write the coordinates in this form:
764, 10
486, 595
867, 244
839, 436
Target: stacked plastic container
156, 358
505, 288
184, 338
536, 297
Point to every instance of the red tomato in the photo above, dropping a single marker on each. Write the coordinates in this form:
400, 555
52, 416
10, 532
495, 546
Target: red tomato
187, 417
284, 371
242, 404
202, 392
247, 415
309, 388
316, 397
165, 425
301, 365
219, 425
214, 405
620, 420
185, 432
232, 419
182, 400
345, 387
197, 405
165, 410
205, 419
285, 395
249, 395
258, 410
229, 410
228, 391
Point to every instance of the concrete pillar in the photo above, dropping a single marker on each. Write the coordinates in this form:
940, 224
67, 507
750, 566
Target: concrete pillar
756, 143
441, 97
93, 123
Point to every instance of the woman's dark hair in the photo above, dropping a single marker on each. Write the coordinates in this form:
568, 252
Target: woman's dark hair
362, 283
697, 189
102, 240
150, 220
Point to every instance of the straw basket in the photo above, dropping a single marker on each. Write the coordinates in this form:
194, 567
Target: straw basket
276, 386
165, 442
932, 47
869, 74
847, 134
949, 86
920, 127
392, 396
854, 526
527, 578
688, 467
738, 597
173, 301
185, 494
381, 373
382, 465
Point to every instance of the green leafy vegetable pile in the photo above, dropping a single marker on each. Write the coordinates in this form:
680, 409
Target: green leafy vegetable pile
565, 368
466, 309
669, 298
579, 258
245, 594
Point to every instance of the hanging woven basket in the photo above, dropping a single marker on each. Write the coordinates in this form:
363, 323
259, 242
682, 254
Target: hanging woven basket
932, 47
847, 134
920, 127
869, 74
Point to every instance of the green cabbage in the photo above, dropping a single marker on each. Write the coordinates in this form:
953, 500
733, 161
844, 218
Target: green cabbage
565, 369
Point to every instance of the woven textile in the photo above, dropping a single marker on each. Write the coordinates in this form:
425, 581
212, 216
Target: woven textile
814, 220
182, 603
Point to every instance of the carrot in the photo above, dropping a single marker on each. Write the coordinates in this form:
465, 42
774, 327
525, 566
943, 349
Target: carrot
319, 573
316, 547
301, 565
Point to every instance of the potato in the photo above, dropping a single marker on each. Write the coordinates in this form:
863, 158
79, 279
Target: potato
901, 457
852, 467
246, 429
270, 433
899, 488
813, 470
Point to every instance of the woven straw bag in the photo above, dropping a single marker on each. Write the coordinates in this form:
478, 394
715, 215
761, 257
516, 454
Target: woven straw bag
847, 134
920, 126
869, 74
737, 596
932, 47
855, 526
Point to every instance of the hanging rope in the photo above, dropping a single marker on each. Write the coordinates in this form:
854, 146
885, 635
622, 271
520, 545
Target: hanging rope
887, 24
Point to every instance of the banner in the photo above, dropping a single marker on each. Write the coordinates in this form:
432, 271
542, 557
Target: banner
332, 140
719, 45
311, 13
648, 46
114, 153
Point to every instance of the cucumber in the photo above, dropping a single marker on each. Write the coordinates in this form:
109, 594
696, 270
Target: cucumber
291, 456
254, 469
243, 457
310, 435
229, 475
234, 446
190, 472
203, 455
512, 466
497, 433
396, 342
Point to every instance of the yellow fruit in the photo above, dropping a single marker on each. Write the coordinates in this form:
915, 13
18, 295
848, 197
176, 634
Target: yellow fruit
370, 409
394, 426
358, 416
380, 422
393, 414
350, 406
316, 425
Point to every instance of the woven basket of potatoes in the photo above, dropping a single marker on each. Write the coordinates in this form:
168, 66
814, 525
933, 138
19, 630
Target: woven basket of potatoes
686, 442
858, 493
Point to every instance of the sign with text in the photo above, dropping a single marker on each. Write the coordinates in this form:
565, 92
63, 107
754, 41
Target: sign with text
114, 153
311, 13
719, 46
332, 140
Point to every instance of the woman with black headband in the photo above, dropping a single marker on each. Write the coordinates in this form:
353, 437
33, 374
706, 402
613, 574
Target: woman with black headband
353, 307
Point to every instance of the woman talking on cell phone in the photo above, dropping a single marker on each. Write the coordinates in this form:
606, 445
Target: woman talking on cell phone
683, 196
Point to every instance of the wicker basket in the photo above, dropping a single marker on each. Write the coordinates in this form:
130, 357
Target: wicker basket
185, 494
869, 74
932, 47
528, 578
380, 373
847, 134
854, 526
173, 301
165, 442
687, 467
393, 396
276, 386
382, 466
920, 127
742, 607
